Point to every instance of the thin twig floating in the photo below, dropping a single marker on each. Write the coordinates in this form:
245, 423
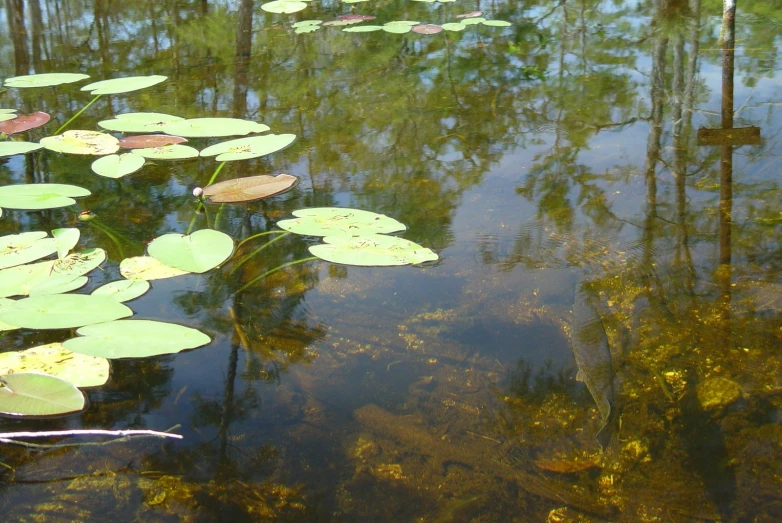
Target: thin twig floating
10, 437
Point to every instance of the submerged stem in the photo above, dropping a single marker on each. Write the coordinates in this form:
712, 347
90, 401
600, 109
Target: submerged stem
258, 236
272, 271
63, 126
201, 201
256, 251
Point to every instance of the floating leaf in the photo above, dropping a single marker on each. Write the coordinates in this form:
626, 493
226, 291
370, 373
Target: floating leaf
249, 188
471, 14
362, 29
12, 148
123, 290
63, 311
401, 22
117, 165
39, 195
44, 79
26, 247
81, 142
139, 122
246, 148
168, 152
356, 18
371, 250
144, 141
496, 23
66, 239
396, 28
328, 221
306, 23
135, 339
79, 263
473, 21
58, 284
147, 268
17, 281
353, 1
50, 277
23, 122
34, 394
307, 29
454, 27
427, 29
5, 303
55, 360
213, 127
123, 85
284, 6
7, 114
197, 252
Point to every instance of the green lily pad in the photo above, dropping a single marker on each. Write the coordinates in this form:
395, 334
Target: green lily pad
496, 23
123, 85
302, 23
66, 239
36, 196
12, 148
473, 21
44, 79
5, 303
135, 339
330, 221
139, 122
55, 360
213, 127
284, 6
454, 26
372, 250
147, 268
63, 311
81, 142
401, 22
26, 247
249, 188
58, 284
397, 28
10, 114
363, 29
17, 281
197, 252
306, 29
246, 148
168, 152
34, 394
117, 165
123, 290
50, 277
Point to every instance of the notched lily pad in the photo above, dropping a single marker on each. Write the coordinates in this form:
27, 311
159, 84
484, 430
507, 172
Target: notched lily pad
139, 122
26, 247
329, 221
81, 142
198, 252
248, 189
36, 394
117, 165
213, 127
373, 250
147, 268
123, 85
44, 79
55, 360
37, 196
66, 239
246, 148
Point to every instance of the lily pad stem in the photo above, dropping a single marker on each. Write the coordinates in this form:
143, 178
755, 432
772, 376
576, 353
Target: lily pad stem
63, 126
259, 249
201, 200
238, 245
272, 271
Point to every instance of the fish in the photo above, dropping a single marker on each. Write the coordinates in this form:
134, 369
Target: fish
593, 357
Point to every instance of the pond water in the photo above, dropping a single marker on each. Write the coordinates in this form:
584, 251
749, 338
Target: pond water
589, 210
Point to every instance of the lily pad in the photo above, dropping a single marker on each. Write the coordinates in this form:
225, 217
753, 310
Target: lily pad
372, 250
117, 165
65, 239
246, 148
330, 221
35, 394
139, 122
454, 26
496, 23
306, 29
26, 247
123, 290
147, 268
37, 196
135, 339
7, 114
362, 29
249, 188
123, 85
197, 252
213, 127
12, 148
145, 141
305, 23
55, 360
473, 21
50, 277
5, 303
168, 152
81, 142
284, 6
44, 79
427, 29
396, 28
58, 284
63, 311
23, 122
471, 14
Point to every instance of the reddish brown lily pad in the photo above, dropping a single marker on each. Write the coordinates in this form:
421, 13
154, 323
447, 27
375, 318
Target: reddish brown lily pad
24, 122
427, 29
144, 141
471, 14
248, 189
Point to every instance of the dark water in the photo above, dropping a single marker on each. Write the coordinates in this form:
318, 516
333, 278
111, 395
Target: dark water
557, 154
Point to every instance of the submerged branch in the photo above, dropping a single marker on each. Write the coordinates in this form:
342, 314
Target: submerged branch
10, 437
